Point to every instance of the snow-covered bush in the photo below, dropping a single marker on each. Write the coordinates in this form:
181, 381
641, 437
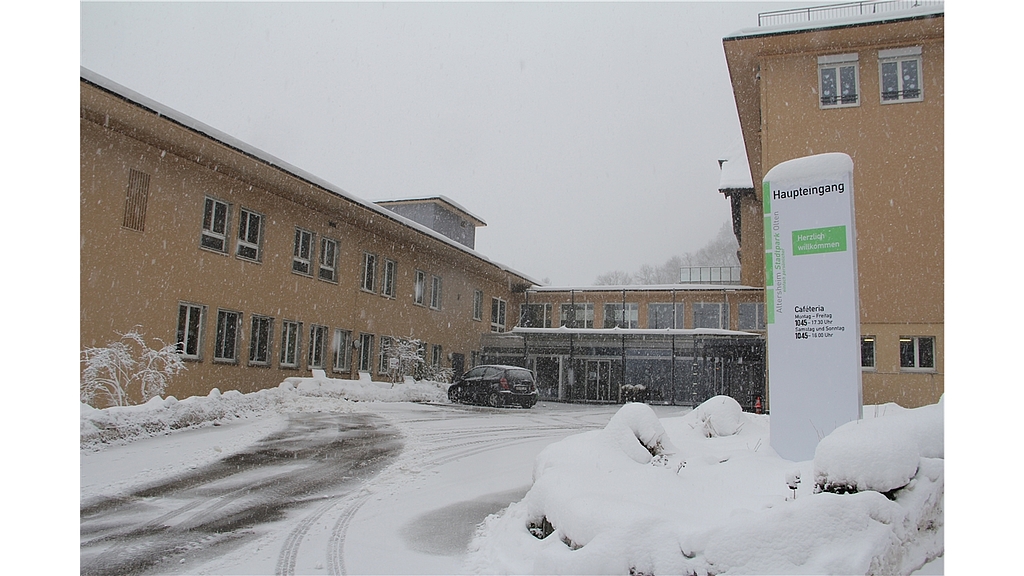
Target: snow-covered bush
720, 416
127, 371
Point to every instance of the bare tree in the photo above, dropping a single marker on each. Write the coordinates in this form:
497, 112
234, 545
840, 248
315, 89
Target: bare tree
127, 370
616, 278
719, 251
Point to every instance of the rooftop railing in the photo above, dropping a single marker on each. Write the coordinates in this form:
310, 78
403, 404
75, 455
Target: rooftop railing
844, 10
709, 275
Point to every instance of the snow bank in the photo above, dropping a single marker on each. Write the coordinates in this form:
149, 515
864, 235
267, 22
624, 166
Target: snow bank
122, 424
603, 502
880, 454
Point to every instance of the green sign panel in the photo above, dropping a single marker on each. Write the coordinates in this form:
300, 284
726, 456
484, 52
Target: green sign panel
819, 240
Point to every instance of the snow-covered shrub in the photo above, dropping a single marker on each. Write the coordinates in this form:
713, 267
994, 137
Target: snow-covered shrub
880, 454
127, 371
720, 416
639, 432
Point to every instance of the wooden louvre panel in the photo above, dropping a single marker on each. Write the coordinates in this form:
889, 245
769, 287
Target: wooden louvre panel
135, 200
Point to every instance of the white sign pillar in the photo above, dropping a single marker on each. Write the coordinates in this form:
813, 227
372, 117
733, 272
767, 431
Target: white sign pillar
811, 301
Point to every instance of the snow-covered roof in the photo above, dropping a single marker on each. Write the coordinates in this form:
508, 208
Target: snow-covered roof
842, 22
439, 199
643, 288
210, 132
735, 168
633, 331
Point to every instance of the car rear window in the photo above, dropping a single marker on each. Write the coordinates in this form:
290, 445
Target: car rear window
520, 376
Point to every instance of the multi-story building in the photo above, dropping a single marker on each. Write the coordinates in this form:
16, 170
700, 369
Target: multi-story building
258, 270
865, 79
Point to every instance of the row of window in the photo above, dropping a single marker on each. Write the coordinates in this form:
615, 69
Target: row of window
916, 352
320, 350
659, 315
899, 77
248, 246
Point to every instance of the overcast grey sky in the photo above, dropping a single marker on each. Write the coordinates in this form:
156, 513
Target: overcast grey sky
586, 135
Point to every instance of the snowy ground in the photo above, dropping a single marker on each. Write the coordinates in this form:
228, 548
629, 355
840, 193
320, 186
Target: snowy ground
708, 495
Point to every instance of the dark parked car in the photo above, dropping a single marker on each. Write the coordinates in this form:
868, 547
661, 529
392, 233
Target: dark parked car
495, 386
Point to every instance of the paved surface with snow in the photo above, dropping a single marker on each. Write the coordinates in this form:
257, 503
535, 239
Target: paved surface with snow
390, 488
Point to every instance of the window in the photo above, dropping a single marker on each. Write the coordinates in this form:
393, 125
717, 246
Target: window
620, 315
328, 260
369, 271
662, 316
387, 284
917, 352
436, 355
341, 345
497, 315
365, 352
478, 305
385, 349
215, 225
838, 80
259, 340
250, 232
867, 352
576, 315
135, 201
435, 292
317, 345
226, 347
419, 287
303, 252
535, 315
751, 316
190, 330
899, 72
710, 315
290, 334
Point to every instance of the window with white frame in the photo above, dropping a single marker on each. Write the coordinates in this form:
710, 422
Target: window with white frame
498, 315
260, 340
435, 292
303, 252
215, 225
190, 330
387, 283
317, 346
341, 346
250, 235
622, 315
838, 80
291, 332
710, 315
365, 352
576, 315
535, 315
661, 315
383, 367
867, 352
226, 347
899, 75
917, 352
419, 288
369, 272
478, 304
751, 316
328, 260
436, 355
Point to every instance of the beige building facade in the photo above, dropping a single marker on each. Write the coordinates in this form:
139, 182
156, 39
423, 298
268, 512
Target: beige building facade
257, 270
872, 87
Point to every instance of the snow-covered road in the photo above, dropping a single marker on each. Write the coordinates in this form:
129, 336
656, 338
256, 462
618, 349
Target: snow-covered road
290, 494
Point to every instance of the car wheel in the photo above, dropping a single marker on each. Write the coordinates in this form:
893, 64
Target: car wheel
526, 404
494, 400
453, 395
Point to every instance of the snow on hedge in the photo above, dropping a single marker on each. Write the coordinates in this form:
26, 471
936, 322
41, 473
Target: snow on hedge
612, 502
121, 424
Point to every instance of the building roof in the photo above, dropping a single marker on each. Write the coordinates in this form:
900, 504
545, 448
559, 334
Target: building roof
645, 288
923, 11
195, 126
633, 331
735, 168
445, 201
